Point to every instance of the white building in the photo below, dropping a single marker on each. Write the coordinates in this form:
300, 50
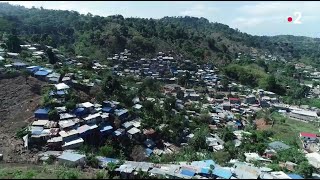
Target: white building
304, 115
314, 159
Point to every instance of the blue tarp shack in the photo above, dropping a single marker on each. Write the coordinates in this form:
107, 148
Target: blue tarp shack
149, 143
42, 113
223, 173
41, 73
107, 109
106, 129
121, 113
149, 152
295, 176
33, 69
187, 173
79, 112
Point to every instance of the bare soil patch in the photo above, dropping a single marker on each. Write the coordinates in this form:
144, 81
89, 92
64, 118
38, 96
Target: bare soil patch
261, 124
18, 103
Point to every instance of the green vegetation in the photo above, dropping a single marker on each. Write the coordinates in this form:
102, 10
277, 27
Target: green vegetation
287, 130
248, 75
97, 37
41, 172
22, 132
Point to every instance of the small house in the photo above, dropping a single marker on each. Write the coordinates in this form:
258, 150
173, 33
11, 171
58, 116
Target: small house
71, 159
251, 99
55, 143
234, 101
93, 118
41, 74
19, 65
61, 86
226, 106
122, 114
73, 144
42, 113
107, 109
84, 131
69, 135
107, 129
307, 137
133, 132
87, 105
119, 132
80, 112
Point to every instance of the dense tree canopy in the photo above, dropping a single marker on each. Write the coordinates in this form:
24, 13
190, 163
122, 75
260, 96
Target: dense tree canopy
98, 37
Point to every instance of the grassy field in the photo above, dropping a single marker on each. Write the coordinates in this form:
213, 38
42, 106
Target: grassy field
287, 130
8, 171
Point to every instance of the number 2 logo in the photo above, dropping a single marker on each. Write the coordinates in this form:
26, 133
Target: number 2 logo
297, 18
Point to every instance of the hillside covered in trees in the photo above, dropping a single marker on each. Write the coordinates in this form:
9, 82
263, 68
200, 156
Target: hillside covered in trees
193, 38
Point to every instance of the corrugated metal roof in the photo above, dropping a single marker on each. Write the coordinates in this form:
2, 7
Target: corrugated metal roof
83, 128
133, 130
71, 156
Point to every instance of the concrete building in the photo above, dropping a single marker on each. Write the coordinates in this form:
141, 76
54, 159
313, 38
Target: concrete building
304, 115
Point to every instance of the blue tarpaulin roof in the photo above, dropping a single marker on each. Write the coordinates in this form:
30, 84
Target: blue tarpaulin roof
41, 73
187, 172
220, 172
42, 111
205, 170
33, 68
295, 176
